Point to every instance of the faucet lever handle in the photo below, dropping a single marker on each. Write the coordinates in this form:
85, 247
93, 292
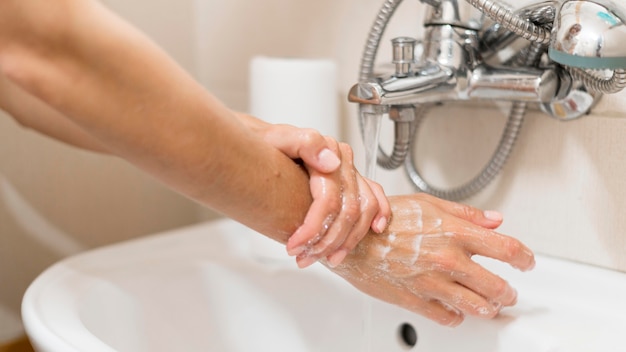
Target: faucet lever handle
403, 55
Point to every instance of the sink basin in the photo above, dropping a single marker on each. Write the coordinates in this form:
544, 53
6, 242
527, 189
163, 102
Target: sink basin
199, 289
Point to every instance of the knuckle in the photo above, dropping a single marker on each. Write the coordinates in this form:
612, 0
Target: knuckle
332, 205
370, 206
513, 248
468, 212
500, 288
332, 143
445, 262
309, 136
377, 187
346, 150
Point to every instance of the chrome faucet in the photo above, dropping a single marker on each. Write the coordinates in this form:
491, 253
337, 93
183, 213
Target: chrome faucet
571, 55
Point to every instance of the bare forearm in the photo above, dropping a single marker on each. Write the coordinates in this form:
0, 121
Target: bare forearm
116, 85
33, 113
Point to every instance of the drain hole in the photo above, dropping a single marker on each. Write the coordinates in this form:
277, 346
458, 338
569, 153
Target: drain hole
408, 335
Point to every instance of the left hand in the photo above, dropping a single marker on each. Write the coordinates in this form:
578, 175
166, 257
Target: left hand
345, 204
423, 261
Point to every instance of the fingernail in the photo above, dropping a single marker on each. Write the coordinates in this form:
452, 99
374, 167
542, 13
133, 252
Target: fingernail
458, 319
329, 159
497, 306
294, 252
493, 215
531, 257
381, 225
306, 262
336, 258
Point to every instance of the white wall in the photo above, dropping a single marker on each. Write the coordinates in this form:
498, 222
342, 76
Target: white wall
562, 191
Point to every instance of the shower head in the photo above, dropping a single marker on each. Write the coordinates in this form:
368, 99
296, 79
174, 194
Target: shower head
590, 34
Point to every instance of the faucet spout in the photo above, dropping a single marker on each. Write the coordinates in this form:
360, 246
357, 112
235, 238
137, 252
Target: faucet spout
421, 87
437, 83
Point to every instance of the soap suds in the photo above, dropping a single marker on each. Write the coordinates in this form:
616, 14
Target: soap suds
417, 246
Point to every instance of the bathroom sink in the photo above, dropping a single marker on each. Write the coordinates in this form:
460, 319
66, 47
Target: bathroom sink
200, 289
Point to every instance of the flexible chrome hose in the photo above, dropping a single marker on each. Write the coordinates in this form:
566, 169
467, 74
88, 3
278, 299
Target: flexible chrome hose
401, 146
511, 21
541, 14
402, 142
505, 146
614, 84
500, 156
373, 39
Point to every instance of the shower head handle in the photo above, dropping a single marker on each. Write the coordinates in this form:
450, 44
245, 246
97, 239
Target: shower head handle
589, 34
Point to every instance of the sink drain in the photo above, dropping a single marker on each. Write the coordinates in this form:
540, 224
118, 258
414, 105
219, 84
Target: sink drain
408, 335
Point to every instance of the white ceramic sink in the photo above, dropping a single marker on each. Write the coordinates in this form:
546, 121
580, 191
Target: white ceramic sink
199, 289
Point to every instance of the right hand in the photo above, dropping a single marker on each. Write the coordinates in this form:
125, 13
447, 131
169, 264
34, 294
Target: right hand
423, 260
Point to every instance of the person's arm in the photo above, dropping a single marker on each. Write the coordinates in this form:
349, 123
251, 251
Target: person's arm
33, 113
323, 165
113, 83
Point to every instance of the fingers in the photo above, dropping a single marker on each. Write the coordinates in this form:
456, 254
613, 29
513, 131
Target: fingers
497, 246
461, 282
456, 266
489, 219
325, 207
304, 143
480, 239
326, 190
381, 219
344, 222
488, 285
430, 271
479, 292
349, 222
433, 309
367, 211
457, 297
